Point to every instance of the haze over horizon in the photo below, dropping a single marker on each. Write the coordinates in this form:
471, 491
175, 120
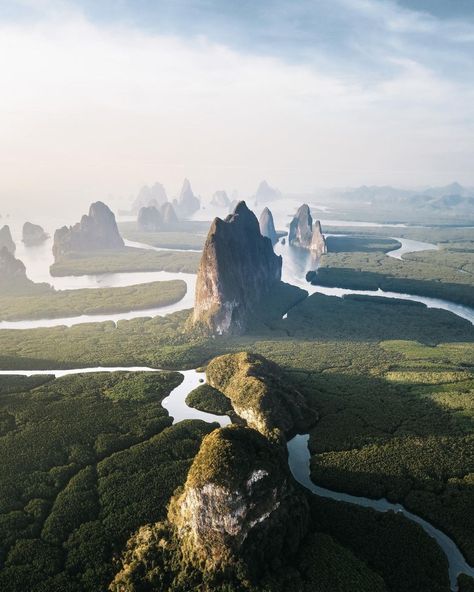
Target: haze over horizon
100, 98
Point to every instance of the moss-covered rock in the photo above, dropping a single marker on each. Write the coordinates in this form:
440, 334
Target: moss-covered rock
260, 393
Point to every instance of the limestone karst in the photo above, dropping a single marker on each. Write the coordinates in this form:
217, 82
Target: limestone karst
168, 215
12, 272
303, 233
266, 193
220, 199
187, 203
238, 269
260, 394
149, 219
149, 196
238, 515
6, 239
96, 231
33, 234
267, 226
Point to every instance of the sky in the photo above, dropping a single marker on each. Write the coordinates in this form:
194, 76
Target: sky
99, 98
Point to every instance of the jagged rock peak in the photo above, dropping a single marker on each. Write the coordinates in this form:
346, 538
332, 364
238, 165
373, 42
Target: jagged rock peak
238, 268
168, 214
10, 268
6, 239
33, 234
303, 234
238, 493
187, 203
267, 226
97, 230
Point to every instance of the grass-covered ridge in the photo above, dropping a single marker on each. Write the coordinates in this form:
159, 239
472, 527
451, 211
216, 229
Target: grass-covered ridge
128, 259
49, 303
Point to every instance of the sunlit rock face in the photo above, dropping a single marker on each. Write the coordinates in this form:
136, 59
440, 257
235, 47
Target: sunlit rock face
303, 234
267, 226
239, 503
149, 219
238, 268
33, 234
261, 394
95, 231
187, 203
150, 196
6, 239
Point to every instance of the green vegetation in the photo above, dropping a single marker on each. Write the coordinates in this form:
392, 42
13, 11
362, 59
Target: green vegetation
466, 584
84, 465
127, 259
185, 235
50, 303
208, 399
362, 244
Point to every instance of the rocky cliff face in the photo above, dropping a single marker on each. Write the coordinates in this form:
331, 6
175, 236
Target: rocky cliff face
267, 226
6, 239
260, 394
239, 503
187, 203
95, 231
149, 219
12, 273
150, 196
33, 234
238, 268
303, 234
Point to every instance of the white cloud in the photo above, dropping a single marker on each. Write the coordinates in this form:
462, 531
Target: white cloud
86, 110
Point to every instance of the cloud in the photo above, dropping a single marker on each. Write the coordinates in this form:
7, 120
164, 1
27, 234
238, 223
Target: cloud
91, 108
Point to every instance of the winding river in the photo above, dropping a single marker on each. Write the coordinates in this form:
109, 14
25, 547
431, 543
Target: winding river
296, 264
298, 457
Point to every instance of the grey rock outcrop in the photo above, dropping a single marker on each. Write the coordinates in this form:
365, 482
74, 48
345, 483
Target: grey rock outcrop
95, 231
6, 239
150, 196
266, 193
187, 203
13, 277
220, 199
168, 215
33, 234
149, 219
306, 235
238, 268
267, 226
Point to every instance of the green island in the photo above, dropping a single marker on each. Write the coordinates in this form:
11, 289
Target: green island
40, 301
360, 263
127, 259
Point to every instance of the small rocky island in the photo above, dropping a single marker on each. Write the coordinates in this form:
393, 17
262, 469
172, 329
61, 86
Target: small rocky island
33, 234
187, 203
266, 193
6, 239
306, 235
150, 196
220, 199
267, 226
97, 230
153, 219
238, 270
